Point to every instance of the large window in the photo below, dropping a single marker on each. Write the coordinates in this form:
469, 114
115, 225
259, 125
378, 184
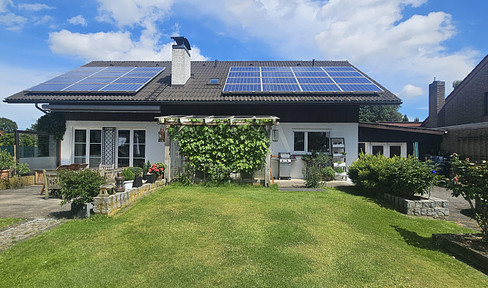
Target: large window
88, 147
131, 148
386, 149
308, 141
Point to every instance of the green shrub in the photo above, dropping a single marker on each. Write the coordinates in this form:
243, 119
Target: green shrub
328, 173
368, 173
136, 170
404, 177
128, 174
316, 169
6, 160
79, 186
22, 168
470, 180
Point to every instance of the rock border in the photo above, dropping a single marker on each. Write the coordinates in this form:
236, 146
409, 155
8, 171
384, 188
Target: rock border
433, 207
452, 243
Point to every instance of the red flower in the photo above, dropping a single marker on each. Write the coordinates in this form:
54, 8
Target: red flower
150, 170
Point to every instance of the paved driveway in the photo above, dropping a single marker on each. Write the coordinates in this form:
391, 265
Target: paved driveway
27, 203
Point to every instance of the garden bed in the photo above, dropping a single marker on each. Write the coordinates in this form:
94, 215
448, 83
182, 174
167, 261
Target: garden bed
16, 182
467, 246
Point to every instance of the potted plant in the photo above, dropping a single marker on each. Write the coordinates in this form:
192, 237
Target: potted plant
148, 176
6, 162
128, 178
158, 169
137, 176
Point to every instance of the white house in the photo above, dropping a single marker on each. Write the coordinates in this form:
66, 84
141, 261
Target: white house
110, 106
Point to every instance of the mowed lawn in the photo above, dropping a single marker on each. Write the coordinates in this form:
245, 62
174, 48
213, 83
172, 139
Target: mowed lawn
241, 237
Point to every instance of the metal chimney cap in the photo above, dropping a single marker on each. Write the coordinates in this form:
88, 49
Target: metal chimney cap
181, 43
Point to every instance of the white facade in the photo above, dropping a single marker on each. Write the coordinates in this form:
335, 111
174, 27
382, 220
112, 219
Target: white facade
348, 131
154, 150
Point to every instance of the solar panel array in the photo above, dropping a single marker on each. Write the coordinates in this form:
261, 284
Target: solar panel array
298, 79
97, 79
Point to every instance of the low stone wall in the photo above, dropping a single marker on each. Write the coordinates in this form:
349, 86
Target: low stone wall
433, 207
109, 204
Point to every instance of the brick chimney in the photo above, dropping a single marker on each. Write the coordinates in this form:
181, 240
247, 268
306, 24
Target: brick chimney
181, 61
437, 98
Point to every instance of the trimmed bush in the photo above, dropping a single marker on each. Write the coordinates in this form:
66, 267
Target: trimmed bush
79, 186
404, 177
128, 174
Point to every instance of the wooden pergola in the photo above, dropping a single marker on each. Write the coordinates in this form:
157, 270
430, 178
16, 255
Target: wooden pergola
172, 158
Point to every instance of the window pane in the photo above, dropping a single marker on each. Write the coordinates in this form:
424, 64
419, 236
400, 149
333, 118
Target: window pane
95, 150
80, 150
318, 142
299, 141
80, 136
139, 151
395, 151
139, 136
138, 162
377, 149
80, 160
95, 162
123, 162
95, 136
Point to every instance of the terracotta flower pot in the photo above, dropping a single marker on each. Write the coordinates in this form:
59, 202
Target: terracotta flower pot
4, 173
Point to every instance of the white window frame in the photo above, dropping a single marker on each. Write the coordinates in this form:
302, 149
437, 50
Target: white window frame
131, 145
305, 140
87, 143
386, 147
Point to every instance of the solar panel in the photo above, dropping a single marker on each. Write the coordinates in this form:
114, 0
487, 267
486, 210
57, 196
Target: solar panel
277, 87
277, 74
247, 88
244, 80
316, 80
311, 74
351, 80
49, 87
279, 80
93, 79
359, 87
85, 87
345, 74
298, 79
321, 88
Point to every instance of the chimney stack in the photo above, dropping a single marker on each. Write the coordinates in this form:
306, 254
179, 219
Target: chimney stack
437, 98
181, 61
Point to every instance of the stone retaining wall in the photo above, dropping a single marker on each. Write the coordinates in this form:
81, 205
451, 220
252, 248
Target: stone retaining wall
433, 207
109, 204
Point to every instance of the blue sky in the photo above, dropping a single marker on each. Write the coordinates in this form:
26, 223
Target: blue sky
402, 44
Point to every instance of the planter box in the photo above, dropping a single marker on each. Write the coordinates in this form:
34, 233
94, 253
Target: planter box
81, 211
151, 178
4, 173
137, 182
128, 185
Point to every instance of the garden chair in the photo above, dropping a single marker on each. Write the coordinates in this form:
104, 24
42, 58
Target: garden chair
51, 183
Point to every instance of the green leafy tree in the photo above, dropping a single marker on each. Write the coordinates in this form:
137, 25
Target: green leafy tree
52, 123
405, 118
379, 113
416, 119
7, 125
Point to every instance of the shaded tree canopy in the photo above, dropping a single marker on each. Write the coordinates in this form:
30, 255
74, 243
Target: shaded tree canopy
380, 113
405, 118
7, 125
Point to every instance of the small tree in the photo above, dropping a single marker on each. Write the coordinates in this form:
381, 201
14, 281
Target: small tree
470, 180
79, 186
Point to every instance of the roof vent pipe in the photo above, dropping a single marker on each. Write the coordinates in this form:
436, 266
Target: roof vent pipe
215, 63
313, 62
180, 61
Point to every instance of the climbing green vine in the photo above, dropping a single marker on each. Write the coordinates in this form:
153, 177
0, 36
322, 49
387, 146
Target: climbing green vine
222, 149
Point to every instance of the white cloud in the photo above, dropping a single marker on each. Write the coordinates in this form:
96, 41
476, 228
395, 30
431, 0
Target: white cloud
113, 46
410, 91
12, 21
130, 12
78, 20
34, 7
4, 4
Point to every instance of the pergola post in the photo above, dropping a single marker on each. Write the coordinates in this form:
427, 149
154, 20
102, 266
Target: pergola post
167, 155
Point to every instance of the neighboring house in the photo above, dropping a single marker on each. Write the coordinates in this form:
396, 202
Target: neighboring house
111, 118
463, 114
